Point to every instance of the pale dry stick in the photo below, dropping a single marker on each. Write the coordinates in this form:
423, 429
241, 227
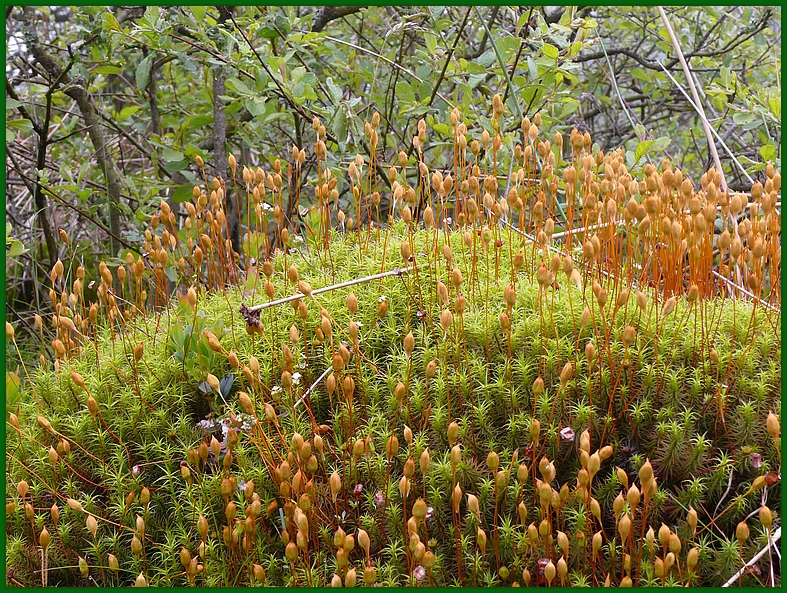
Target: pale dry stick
698, 108
625, 107
726, 492
706, 126
44, 567
715, 133
736, 287
747, 293
298, 295
592, 227
308, 391
771, 541
717, 116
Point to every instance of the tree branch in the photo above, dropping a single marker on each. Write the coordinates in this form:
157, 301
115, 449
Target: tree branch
75, 89
450, 54
330, 13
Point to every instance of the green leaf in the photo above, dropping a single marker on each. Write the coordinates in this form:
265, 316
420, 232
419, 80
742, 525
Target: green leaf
424, 71
188, 63
199, 13
334, 90
109, 22
642, 149
106, 69
442, 129
743, 118
436, 11
431, 43
404, 93
767, 152
127, 112
661, 143
775, 105
308, 92
269, 33
532, 68
195, 122
12, 103
339, 124
191, 150
143, 72
550, 51
182, 193
255, 106
575, 48
298, 93
15, 248
23, 125
239, 86
473, 68
175, 166
297, 74
172, 155
569, 108
425, 91
152, 14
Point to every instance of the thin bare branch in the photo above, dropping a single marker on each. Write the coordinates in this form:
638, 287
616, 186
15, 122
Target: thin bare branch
299, 295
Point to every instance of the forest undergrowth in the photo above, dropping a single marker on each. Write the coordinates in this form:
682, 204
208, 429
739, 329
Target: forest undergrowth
556, 372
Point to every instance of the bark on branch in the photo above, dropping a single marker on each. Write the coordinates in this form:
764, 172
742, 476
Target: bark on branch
75, 88
330, 13
42, 205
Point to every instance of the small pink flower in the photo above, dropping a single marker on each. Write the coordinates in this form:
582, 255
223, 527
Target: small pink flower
567, 434
358, 490
135, 471
429, 512
378, 499
756, 460
419, 572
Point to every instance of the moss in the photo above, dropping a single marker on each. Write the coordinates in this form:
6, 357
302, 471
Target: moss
660, 399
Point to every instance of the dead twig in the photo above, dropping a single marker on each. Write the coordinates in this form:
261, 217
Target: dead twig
299, 295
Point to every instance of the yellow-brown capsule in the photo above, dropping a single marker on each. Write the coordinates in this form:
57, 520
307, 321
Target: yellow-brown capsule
335, 483
692, 558
646, 472
742, 532
773, 425
406, 251
409, 344
766, 517
549, 572
92, 406
453, 433
446, 319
